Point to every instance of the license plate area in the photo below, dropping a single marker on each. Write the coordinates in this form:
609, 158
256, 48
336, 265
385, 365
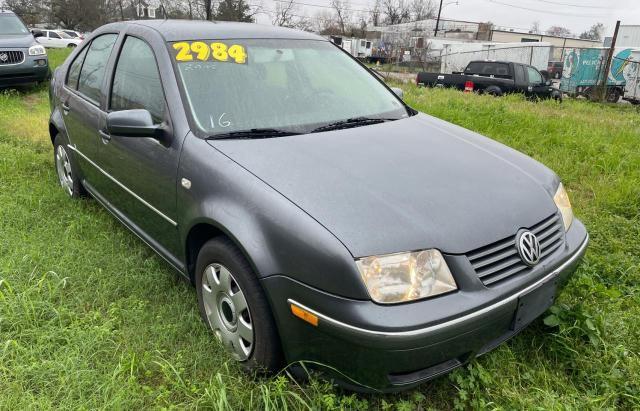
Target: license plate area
532, 304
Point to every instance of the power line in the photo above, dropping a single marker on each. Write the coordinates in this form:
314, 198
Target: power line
581, 6
542, 11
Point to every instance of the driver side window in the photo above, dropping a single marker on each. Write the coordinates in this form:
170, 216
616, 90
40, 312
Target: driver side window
136, 81
534, 76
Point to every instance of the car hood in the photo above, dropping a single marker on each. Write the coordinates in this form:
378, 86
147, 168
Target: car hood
403, 185
16, 41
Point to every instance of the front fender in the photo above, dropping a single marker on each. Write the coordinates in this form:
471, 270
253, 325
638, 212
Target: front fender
275, 235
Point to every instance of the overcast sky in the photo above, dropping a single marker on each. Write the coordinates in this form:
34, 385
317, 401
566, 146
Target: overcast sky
576, 15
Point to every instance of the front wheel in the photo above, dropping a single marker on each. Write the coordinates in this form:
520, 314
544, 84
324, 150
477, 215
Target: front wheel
234, 307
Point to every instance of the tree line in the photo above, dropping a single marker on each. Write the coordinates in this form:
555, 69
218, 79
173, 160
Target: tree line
339, 17
87, 15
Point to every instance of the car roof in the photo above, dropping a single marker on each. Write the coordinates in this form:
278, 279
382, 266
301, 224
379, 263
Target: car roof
175, 30
496, 61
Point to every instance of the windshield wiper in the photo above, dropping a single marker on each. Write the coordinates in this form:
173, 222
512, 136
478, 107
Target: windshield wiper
252, 133
351, 122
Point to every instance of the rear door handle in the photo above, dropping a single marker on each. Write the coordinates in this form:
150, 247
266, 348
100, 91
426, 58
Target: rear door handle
104, 136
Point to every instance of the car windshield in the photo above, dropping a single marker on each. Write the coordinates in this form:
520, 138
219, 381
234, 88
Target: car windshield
11, 24
296, 86
64, 35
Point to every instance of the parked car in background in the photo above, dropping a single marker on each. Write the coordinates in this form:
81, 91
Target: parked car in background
57, 39
495, 78
555, 69
22, 59
74, 34
322, 221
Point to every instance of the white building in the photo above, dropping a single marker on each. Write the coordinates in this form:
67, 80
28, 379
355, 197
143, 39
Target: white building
628, 36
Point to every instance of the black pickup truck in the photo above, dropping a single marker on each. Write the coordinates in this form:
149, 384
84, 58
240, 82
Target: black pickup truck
495, 78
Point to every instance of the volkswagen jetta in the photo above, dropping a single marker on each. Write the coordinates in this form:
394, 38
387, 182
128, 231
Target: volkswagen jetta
321, 219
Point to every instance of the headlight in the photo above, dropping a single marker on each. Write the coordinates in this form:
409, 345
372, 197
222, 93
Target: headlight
396, 278
564, 205
37, 50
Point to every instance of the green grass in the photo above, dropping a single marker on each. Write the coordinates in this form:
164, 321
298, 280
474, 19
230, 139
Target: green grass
91, 318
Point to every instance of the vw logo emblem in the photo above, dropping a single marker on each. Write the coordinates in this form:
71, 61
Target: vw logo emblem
4, 57
528, 248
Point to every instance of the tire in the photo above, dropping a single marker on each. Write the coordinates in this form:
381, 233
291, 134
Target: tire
67, 168
72, 46
613, 96
225, 285
493, 91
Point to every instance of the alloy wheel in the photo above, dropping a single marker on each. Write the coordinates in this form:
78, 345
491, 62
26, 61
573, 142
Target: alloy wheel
63, 167
227, 311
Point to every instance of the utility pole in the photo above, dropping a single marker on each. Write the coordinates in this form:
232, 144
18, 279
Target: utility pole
435, 33
607, 67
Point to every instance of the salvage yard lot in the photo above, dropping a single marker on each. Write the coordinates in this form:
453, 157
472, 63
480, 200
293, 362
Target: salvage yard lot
90, 317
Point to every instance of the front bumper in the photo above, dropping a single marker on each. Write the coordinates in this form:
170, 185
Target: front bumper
367, 346
28, 71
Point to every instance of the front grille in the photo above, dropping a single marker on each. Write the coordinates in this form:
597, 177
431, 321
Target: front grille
11, 57
500, 260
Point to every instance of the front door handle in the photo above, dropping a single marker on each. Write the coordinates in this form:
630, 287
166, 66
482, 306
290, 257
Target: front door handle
106, 137
65, 108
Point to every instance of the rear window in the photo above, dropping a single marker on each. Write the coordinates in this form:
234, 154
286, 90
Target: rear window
488, 69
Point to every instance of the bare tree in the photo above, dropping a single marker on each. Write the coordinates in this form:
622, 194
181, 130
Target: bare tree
323, 22
558, 31
375, 13
284, 13
535, 28
594, 33
31, 11
208, 9
341, 8
396, 11
422, 10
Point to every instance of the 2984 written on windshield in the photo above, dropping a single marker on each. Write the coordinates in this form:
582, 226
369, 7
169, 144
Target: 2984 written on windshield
216, 51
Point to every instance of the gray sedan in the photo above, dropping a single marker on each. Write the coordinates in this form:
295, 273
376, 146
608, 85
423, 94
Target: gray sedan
322, 221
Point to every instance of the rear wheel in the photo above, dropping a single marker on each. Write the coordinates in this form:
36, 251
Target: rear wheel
233, 305
613, 96
72, 45
493, 91
66, 168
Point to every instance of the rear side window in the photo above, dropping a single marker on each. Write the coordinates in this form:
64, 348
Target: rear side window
520, 78
74, 70
95, 63
488, 68
136, 81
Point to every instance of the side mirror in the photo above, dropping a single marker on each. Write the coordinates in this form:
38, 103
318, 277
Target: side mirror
548, 82
398, 92
131, 123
